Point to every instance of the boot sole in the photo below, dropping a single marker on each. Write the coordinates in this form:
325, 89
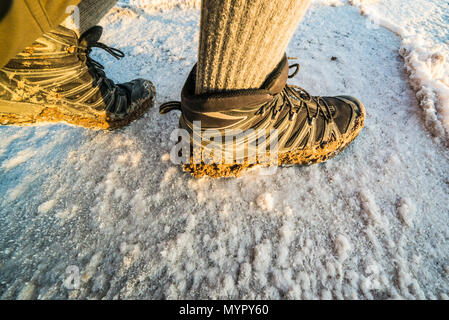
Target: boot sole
297, 157
36, 114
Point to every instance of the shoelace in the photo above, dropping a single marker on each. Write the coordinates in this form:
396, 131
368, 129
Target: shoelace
296, 92
86, 51
301, 96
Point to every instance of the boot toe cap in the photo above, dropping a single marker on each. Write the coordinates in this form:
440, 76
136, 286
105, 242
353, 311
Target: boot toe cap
139, 89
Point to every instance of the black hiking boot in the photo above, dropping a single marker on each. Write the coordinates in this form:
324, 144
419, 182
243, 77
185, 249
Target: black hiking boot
55, 80
304, 129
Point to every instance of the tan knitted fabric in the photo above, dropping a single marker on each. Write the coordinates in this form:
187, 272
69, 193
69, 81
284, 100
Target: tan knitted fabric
242, 41
90, 14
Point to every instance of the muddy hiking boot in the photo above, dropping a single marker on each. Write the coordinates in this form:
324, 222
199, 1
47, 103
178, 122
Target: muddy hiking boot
56, 80
278, 124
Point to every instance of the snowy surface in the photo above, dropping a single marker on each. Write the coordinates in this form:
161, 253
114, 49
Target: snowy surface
423, 27
370, 224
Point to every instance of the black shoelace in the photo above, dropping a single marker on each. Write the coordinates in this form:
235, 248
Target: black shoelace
302, 97
302, 100
95, 65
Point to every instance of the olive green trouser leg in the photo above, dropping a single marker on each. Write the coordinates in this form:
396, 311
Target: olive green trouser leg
27, 20
23, 21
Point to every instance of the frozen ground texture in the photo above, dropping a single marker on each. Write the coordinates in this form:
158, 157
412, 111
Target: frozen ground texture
372, 223
423, 28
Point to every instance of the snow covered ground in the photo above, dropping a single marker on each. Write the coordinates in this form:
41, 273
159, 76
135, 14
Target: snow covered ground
370, 224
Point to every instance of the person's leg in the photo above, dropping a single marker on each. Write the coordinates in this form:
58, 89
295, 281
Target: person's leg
241, 41
240, 85
26, 20
55, 79
90, 14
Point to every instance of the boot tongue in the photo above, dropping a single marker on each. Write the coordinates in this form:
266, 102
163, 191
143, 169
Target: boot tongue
91, 36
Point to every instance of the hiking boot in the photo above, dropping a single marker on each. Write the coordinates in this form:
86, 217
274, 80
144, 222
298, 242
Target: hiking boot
304, 129
56, 80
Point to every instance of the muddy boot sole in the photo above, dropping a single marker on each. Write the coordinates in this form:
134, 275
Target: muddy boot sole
36, 114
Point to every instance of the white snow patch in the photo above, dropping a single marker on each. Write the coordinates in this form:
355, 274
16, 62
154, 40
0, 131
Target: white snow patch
6, 141
244, 275
67, 214
429, 77
165, 157
262, 256
288, 211
170, 174
283, 280
406, 211
265, 201
426, 66
287, 233
342, 246
326, 295
370, 208
332, 3
191, 223
46, 206
18, 190
21, 157
138, 202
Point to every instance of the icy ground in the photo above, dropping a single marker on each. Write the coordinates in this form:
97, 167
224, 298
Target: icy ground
370, 224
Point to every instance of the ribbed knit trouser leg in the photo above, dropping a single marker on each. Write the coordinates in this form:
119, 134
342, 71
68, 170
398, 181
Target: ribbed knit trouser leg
242, 41
90, 14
